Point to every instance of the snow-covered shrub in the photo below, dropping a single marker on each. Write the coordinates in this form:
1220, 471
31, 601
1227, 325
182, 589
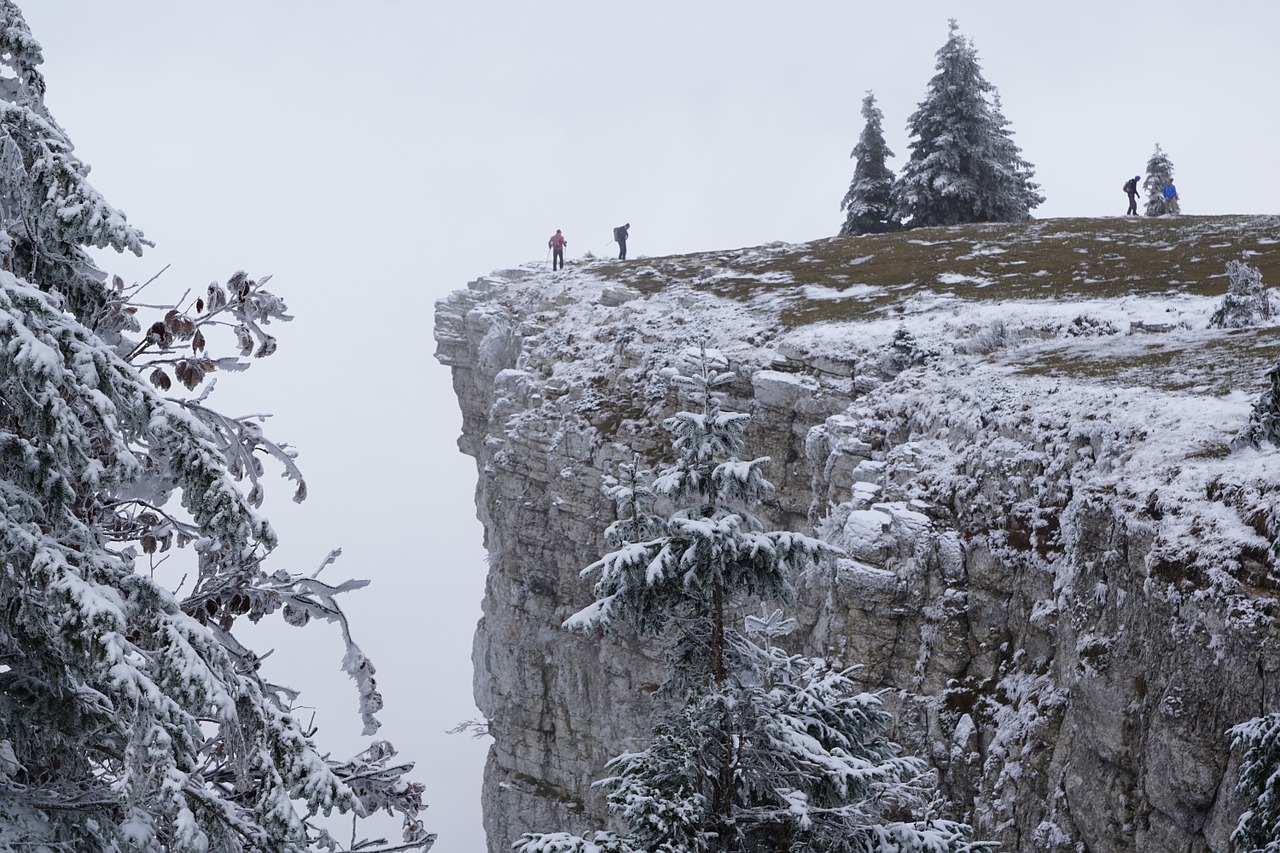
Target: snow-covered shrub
1247, 302
1085, 326
987, 340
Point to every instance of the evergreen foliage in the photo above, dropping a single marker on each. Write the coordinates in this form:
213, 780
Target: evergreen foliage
1159, 173
50, 212
758, 749
1264, 420
1246, 302
1258, 830
964, 166
903, 352
869, 202
131, 717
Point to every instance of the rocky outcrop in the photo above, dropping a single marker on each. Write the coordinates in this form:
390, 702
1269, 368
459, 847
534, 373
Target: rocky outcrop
1056, 569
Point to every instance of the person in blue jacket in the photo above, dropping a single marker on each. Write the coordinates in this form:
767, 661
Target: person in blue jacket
1170, 197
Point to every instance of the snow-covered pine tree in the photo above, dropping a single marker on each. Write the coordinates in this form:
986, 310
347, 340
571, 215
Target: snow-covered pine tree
868, 202
758, 749
1258, 830
1159, 173
132, 717
964, 165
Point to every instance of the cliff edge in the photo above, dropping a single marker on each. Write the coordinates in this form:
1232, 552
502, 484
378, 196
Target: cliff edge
1057, 568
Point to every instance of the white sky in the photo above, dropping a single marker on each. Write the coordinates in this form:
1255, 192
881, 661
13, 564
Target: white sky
376, 155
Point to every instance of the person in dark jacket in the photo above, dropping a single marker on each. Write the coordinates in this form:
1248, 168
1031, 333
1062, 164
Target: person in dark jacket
1131, 190
620, 235
557, 244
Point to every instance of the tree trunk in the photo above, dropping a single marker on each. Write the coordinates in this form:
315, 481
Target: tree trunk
724, 786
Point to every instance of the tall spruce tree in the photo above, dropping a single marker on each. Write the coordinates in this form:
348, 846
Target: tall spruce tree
869, 203
758, 750
131, 716
964, 166
1159, 173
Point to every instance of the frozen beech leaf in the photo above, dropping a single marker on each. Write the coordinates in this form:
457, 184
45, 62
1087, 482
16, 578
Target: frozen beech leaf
188, 374
217, 297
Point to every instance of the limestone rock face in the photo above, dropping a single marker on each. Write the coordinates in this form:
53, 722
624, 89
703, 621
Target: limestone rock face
1055, 567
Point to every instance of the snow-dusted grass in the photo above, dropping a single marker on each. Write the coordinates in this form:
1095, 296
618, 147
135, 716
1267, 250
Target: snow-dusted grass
1045, 260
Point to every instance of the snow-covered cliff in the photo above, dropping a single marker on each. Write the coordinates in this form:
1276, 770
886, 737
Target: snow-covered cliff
1056, 567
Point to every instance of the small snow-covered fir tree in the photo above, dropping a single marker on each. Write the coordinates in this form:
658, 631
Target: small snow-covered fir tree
868, 203
132, 718
903, 352
759, 750
964, 165
1258, 830
1246, 302
1159, 173
1264, 420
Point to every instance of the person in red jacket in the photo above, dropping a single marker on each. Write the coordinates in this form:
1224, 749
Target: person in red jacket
557, 244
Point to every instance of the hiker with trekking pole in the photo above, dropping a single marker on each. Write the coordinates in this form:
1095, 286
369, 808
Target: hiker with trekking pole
557, 244
620, 235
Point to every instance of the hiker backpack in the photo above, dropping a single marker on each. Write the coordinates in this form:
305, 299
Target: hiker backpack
617, 234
